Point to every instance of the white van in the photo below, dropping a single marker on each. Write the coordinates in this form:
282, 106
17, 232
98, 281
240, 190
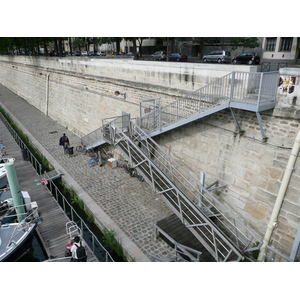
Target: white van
219, 56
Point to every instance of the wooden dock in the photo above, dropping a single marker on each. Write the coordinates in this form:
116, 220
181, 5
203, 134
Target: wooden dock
52, 230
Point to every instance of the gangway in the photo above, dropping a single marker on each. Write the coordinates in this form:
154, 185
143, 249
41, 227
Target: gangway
226, 238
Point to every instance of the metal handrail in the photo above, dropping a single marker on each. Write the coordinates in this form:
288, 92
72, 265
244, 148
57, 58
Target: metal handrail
57, 194
244, 87
272, 255
180, 248
25, 223
160, 163
35, 163
52, 187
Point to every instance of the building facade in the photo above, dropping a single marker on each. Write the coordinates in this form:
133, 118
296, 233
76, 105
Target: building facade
285, 49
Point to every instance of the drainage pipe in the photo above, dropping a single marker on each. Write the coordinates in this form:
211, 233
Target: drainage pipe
280, 196
47, 93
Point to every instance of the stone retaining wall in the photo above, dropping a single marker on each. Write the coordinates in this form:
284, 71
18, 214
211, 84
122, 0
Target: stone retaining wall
79, 93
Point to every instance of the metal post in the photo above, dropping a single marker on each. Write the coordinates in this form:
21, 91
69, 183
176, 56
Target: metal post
261, 126
159, 118
202, 183
259, 91
232, 86
296, 245
236, 121
15, 190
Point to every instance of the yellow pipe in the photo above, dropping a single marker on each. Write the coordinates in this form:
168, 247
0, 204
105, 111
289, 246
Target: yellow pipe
280, 196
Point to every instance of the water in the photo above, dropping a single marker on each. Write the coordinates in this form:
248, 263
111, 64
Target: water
36, 252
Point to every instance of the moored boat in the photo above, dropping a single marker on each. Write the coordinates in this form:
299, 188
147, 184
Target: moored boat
18, 220
15, 239
3, 175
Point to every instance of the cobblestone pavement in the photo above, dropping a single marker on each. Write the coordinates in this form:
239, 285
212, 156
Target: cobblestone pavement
130, 204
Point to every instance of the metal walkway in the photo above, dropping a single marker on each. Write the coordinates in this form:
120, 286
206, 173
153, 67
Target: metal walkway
249, 91
254, 92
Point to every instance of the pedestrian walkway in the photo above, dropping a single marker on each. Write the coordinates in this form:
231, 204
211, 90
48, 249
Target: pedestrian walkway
119, 202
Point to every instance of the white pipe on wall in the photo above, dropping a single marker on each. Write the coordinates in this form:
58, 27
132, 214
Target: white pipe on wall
47, 93
282, 190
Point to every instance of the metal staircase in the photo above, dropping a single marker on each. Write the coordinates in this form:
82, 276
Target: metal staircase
226, 238
222, 233
250, 91
242, 90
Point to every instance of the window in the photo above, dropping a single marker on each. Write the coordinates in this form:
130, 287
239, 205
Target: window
286, 44
270, 44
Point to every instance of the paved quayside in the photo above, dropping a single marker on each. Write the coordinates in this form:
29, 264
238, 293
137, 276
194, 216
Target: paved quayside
120, 202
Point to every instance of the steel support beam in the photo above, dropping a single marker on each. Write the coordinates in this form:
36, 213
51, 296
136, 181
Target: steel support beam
261, 127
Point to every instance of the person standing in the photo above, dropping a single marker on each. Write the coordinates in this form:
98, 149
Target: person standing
64, 141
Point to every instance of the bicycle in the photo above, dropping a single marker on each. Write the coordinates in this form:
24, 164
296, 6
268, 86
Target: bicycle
132, 171
82, 148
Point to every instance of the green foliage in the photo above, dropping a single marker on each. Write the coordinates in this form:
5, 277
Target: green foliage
244, 42
111, 244
255, 253
40, 158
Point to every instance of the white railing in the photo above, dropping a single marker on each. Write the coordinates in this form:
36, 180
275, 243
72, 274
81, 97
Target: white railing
184, 192
243, 87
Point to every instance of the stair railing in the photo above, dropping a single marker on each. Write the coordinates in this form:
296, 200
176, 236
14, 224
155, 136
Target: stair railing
183, 194
191, 188
244, 87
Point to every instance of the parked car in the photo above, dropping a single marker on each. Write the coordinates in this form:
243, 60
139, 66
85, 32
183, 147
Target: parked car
159, 55
91, 53
84, 53
100, 53
220, 56
75, 53
129, 54
177, 57
250, 58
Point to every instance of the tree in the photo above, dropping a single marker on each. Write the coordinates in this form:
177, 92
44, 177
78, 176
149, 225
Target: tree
140, 41
134, 41
136, 55
78, 43
244, 42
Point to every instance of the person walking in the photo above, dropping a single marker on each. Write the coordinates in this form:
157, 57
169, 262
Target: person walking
64, 141
78, 250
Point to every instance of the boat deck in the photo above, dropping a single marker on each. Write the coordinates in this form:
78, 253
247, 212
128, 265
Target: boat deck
52, 231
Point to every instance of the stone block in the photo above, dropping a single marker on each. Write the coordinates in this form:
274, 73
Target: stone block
258, 212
